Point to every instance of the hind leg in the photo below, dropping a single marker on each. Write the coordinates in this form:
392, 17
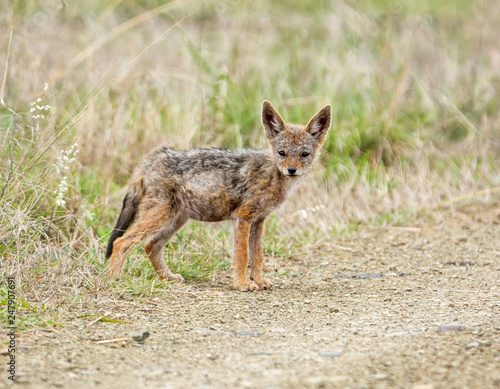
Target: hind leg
122, 247
154, 249
151, 221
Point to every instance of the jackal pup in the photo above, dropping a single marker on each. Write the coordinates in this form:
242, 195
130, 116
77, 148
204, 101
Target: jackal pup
213, 185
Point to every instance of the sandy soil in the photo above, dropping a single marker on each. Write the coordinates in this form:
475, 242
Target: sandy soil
415, 307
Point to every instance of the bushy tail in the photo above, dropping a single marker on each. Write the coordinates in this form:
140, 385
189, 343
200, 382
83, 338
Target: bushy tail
126, 218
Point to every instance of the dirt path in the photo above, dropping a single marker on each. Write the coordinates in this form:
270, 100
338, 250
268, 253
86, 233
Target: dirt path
383, 310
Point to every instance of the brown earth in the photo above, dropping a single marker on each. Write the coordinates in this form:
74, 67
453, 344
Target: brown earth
393, 307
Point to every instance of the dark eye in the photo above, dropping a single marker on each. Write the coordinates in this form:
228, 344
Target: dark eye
304, 154
282, 153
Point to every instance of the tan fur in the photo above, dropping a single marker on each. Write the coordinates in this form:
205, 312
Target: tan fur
213, 185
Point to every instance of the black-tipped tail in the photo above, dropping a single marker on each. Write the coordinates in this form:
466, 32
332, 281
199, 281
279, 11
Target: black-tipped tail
126, 218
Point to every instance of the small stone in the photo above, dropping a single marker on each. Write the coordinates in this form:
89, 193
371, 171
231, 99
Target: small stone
477, 343
331, 354
316, 382
333, 310
381, 377
396, 334
248, 333
22, 378
473, 344
450, 327
307, 301
141, 336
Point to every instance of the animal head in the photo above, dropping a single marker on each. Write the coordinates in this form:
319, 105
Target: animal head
295, 147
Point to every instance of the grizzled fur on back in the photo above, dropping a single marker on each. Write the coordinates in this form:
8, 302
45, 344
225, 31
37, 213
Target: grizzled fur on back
213, 185
209, 184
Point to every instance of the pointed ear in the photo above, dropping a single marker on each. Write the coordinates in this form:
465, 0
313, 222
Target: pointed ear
271, 120
320, 123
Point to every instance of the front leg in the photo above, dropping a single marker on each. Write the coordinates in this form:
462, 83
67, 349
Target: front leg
240, 259
256, 258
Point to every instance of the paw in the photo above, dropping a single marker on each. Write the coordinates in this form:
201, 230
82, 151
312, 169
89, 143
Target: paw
169, 277
115, 274
246, 286
175, 277
264, 284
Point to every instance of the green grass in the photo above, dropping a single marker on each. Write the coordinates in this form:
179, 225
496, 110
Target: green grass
415, 121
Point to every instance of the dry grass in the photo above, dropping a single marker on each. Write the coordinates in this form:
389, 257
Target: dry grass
412, 84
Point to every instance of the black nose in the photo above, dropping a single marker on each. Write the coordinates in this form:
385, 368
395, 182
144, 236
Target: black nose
291, 170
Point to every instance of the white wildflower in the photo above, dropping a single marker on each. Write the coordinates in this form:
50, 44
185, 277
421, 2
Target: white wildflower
305, 213
63, 165
67, 158
61, 192
37, 106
